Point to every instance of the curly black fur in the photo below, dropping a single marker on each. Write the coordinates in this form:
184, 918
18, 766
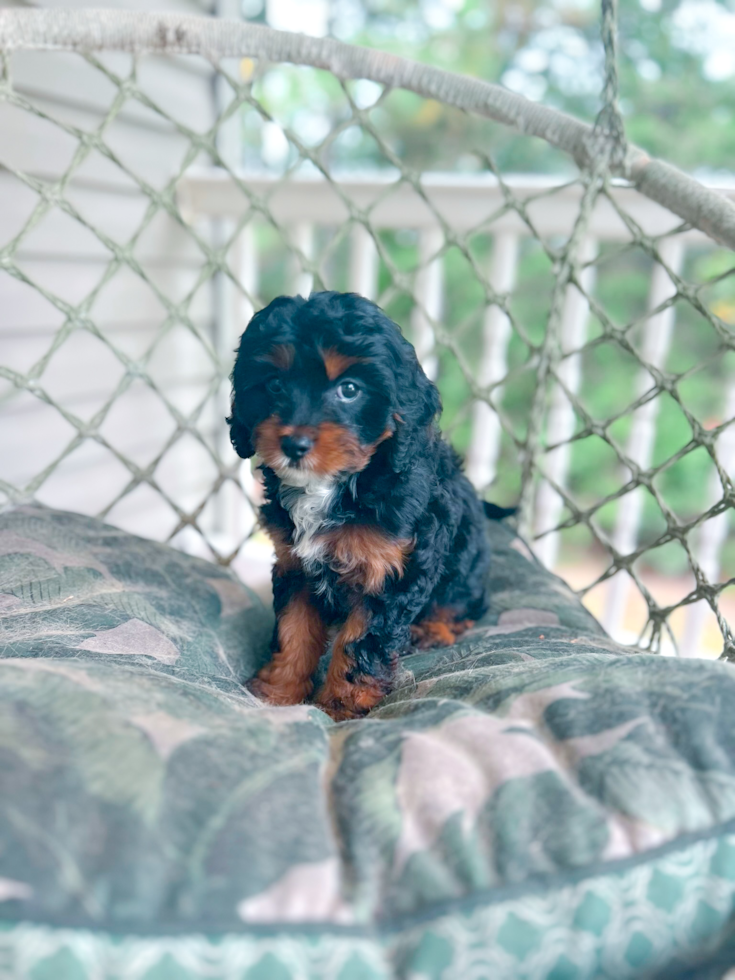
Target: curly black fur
410, 489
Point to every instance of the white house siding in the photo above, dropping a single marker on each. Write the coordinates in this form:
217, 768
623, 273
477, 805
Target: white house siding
68, 261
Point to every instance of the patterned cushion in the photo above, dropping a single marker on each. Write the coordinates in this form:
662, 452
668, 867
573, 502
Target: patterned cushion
73, 588
535, 803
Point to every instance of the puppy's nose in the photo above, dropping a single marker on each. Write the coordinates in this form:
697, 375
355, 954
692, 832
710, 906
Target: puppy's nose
296, 446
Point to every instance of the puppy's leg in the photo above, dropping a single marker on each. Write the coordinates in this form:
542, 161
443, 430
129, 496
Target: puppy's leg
359, 673
299, 641
365, 654
363, 664
300, 636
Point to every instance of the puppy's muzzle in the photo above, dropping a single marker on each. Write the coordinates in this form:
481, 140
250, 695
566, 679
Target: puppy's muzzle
296, 446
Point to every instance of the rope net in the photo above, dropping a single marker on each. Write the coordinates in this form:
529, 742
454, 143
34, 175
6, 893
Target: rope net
581, 336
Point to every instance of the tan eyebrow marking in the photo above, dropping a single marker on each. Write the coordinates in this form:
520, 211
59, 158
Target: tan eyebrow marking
281, 356
337, 363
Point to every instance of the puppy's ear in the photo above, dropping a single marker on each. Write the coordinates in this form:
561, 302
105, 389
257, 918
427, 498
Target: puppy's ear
418, 404
244, 377
240, 437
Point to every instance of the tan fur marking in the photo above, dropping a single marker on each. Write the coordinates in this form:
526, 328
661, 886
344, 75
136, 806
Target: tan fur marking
282, 355
341, 698
335, 450
302, 638
267, 439
440, 629
286, 560
336, 363
365, 556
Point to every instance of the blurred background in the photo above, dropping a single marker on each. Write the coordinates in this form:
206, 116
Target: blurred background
677, 79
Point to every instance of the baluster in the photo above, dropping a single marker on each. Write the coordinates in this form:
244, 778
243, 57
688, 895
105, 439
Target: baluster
713, 532
560, 420
240, 512
485, 444
245, 267
429, 292
364, 263
229, 146
302, 281
234, 517
656, 342
229, 131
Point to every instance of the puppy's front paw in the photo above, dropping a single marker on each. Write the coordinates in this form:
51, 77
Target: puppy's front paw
338, 710
269, 686
344, 700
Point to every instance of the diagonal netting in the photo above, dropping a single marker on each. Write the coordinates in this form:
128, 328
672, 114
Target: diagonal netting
163, 177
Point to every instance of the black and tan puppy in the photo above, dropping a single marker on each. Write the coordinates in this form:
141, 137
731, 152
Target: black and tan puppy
379, 536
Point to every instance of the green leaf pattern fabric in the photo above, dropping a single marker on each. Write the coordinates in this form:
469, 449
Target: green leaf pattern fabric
534, 802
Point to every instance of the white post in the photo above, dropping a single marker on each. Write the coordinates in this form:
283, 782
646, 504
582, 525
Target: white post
245, 269
215, 520
217, 525
364, 263
233, 516
656, 342
244, 513
485, 445
713, 532
302, 281
229, 135
560, 421
429, 292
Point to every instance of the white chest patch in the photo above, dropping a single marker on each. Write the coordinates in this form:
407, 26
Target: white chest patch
308, 506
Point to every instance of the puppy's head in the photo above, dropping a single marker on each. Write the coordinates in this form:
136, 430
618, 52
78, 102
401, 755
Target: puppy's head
319, 384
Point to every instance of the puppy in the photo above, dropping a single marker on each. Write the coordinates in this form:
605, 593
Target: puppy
379, 537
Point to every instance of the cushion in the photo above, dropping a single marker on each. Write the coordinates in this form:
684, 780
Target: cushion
534, 803
73, 588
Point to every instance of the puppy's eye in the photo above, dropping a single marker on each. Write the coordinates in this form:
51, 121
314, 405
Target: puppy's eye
348, 391
275, 386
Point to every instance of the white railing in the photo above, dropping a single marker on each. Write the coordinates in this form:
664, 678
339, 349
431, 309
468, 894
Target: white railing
301, 205
656, 343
